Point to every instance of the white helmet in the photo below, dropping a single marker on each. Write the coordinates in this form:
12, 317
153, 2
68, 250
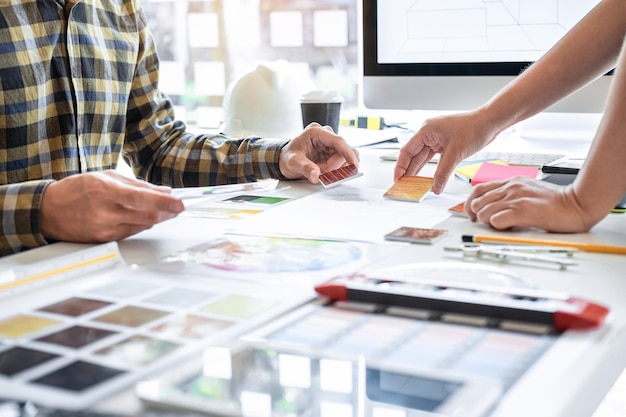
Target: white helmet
264, 102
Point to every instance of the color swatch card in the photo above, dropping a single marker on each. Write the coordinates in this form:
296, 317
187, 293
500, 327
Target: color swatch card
416, 235
489, 172
234, 206
337, 176
256, 199
458, 210
73, 342
410, 188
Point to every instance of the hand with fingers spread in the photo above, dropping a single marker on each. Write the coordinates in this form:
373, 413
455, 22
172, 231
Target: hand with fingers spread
317, 150
102, 207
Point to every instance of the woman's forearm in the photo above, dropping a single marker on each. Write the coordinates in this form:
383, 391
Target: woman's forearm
602, 181
587, 51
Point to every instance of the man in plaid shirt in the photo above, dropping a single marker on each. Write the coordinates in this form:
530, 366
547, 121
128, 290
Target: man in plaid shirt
79, 86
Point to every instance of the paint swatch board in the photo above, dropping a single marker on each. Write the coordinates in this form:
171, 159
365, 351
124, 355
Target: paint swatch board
398, 337
73, 342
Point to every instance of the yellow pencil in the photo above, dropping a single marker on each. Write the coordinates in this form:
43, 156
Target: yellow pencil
587, 247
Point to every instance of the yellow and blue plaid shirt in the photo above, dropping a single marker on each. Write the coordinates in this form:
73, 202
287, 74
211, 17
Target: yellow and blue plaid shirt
79, 86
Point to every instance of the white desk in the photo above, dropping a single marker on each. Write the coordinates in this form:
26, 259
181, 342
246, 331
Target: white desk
568, 381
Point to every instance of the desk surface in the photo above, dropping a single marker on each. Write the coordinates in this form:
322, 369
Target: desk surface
568, 380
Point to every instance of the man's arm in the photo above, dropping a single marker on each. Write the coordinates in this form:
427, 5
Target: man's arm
161, 151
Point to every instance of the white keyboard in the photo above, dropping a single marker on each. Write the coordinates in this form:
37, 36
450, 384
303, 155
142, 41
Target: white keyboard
511, 158
519, 158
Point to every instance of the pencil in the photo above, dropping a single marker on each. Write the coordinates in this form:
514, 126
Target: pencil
587, 247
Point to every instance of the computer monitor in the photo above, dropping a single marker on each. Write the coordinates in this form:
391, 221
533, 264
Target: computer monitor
453, 55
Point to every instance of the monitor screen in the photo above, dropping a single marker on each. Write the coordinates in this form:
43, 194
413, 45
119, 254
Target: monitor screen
455, 54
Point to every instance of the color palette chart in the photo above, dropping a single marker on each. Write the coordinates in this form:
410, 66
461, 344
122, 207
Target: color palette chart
69, 344
344, 331
268, 258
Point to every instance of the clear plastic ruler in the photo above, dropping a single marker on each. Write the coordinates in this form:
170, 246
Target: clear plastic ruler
63, 267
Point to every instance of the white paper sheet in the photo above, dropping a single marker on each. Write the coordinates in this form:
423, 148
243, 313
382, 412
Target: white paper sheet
345, 212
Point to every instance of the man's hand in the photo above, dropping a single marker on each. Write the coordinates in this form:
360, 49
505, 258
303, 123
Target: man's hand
103, 207
315, 151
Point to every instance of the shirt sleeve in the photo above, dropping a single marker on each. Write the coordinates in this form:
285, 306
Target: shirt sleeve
20, 216
161, 151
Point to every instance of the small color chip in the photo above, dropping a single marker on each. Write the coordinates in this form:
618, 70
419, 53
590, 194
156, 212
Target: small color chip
409, 188
23, 325
458, 209
78, 376
75, 306
339, 175
131, 316
239, 306
76, 336
18, 359
416, 235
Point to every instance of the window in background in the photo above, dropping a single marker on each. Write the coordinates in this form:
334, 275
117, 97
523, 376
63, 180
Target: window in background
205, 45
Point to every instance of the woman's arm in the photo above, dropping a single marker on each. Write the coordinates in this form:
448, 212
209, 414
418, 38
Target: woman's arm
600, 184
587, 51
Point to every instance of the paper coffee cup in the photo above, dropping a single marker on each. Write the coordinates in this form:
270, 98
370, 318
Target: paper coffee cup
323, 107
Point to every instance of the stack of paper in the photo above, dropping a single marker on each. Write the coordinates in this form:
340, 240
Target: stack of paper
490, 172
480, 172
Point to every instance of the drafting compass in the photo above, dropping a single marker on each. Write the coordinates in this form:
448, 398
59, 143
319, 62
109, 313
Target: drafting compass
504, 253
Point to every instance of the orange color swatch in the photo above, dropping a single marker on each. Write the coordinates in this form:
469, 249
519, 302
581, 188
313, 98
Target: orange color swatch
410, 188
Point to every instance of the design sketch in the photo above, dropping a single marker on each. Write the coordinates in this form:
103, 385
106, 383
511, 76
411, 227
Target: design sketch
475, 30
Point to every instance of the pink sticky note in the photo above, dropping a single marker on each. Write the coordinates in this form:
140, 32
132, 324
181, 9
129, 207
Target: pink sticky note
489, 172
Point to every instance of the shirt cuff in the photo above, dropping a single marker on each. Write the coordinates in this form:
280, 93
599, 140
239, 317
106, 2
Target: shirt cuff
21, 204
265, 157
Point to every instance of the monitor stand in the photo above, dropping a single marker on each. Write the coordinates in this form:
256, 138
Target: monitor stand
570, 133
